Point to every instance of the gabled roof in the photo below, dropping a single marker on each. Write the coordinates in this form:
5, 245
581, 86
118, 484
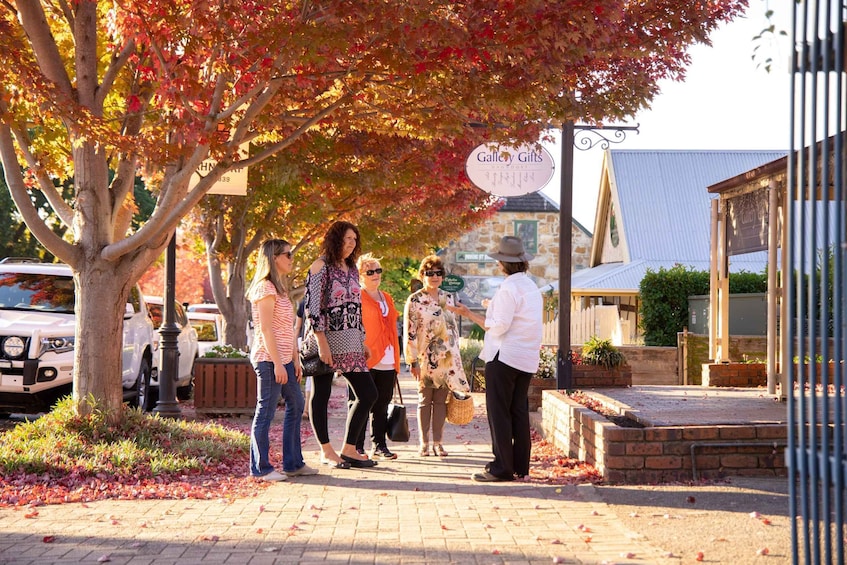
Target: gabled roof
662, 210
664, 202
532, 202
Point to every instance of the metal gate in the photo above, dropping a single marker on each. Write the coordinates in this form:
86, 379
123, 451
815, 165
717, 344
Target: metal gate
816, 289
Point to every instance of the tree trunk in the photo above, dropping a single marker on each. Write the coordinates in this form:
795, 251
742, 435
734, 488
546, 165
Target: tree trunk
235, 326
101, 297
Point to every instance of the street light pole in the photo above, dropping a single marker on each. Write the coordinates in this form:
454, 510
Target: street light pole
167, 405
564, 365
564, 372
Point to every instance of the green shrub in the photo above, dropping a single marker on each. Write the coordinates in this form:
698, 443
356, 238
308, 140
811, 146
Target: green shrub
469, 349
225, 352
664, 298
598, 351
664, 301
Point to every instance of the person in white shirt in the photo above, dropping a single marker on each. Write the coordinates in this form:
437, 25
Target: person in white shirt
513, 328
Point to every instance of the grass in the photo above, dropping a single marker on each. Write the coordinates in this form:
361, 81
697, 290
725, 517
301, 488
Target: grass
64, 443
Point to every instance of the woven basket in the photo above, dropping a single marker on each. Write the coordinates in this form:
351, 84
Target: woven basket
459, 409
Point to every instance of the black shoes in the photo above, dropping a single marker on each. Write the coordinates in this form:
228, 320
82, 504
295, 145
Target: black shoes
359, 463
384, 452
486, 477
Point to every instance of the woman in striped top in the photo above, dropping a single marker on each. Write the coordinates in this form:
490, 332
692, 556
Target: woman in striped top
277, 367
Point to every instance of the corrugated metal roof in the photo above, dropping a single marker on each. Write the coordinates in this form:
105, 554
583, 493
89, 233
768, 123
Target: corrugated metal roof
626, 277
664, 200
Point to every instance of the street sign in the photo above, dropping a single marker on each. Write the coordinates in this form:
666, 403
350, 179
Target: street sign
452, 283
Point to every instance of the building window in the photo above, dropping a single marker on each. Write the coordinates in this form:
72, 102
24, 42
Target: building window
527, 230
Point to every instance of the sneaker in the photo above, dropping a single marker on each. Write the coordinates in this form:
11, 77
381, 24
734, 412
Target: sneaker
302, 471
273, 476
384, 452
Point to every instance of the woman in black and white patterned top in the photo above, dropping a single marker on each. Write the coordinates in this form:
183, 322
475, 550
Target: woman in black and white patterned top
334, 308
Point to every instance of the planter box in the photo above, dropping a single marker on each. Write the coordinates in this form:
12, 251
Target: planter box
224, 386
536, 388
743, 375
594, 376
653, 455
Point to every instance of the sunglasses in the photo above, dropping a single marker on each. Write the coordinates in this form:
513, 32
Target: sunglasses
371, 272
288, 253
438, 273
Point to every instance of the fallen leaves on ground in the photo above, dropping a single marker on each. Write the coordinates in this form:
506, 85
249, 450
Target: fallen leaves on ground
550, 466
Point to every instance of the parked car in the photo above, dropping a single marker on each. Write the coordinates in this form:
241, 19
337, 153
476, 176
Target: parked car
208, 321
205, 308
187, 345
209, 329
37, 325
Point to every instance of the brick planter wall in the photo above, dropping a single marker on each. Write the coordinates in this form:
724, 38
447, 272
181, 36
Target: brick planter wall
224, 386
661, 454
536, 387
591, 376
734, 375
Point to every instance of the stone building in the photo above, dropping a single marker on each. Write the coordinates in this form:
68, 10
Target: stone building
535, 219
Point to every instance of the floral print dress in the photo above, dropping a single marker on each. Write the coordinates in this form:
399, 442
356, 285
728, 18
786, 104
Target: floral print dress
432, 339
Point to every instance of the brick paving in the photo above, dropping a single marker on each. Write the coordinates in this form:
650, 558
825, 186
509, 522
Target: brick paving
406, 511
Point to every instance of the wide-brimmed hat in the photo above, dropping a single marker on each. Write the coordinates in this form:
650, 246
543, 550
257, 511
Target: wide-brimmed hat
511, 251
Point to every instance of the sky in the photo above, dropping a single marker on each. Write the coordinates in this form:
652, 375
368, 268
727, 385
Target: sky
725, 102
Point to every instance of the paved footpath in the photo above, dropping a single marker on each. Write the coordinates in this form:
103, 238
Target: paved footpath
410, 510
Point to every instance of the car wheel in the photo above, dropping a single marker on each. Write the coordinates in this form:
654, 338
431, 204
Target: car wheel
145, 397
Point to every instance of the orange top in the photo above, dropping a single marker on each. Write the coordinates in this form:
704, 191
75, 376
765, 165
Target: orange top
380, 331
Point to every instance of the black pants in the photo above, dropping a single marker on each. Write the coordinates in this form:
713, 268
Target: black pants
384, 381
361, 387
318, 405
506, 391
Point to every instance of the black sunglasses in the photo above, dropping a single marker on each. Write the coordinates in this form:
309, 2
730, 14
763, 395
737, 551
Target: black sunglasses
438, 273
371, 272
288, 253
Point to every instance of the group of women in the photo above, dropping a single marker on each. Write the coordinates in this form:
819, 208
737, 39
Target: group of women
355, 325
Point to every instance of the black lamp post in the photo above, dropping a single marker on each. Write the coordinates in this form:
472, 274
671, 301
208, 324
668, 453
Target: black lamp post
167, 405
564, 372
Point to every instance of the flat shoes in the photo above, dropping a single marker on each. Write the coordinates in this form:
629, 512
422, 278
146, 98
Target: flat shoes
359, 463
486, 477
331, 463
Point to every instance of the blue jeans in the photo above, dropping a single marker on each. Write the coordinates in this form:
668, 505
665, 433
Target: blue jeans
267, 396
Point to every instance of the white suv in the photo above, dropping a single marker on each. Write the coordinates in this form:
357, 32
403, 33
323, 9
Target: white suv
37, 338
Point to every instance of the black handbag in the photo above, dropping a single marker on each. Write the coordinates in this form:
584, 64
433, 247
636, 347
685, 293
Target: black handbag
398, 422
310, 358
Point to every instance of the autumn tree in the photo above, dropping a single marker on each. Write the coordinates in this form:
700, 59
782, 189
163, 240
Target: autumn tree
405, 194
103, 92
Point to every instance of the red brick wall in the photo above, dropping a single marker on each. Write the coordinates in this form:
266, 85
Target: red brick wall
654, 455
743, 375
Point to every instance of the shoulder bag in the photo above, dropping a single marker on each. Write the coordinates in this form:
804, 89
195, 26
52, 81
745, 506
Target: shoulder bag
398, 422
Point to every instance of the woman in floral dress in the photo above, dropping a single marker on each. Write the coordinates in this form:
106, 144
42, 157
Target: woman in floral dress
431, 348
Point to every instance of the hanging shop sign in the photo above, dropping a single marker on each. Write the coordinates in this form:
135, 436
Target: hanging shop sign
503, 170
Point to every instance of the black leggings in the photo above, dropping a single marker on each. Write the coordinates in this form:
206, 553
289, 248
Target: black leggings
318, 405
364, 392
384, 381
362, 388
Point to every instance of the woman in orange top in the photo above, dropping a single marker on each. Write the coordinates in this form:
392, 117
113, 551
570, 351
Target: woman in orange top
379, 316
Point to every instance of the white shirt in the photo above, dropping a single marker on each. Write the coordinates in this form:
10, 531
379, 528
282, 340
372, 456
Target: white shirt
513, 324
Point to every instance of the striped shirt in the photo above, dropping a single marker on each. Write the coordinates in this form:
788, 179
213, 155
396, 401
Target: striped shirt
282, 326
